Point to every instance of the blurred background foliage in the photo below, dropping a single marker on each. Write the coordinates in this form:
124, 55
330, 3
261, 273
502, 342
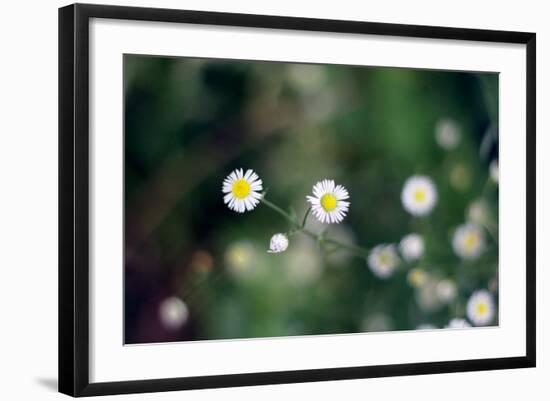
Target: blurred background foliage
196, 270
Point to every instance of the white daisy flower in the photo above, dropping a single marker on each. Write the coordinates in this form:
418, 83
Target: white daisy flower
417, 277
242, 190
468, 241
480, 308
419, 195
173, 313
278, 243
447, 133
458, 323
446, 290
494, 171
412, 247
329, 203
383, 260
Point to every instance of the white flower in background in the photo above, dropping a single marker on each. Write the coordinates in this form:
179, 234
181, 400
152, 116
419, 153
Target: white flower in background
457, 323
468, 241
412, 247
480, 308
417, 277
419, 195
383, 260
426, 295
447, 133
307, 78
240, 257
328, 202
278, 243
173, 313
446, 290
477, 212
242, 190
426, 326
494, 171
377, 322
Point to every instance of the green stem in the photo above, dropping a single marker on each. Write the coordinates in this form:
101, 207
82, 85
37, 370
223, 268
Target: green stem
305, 217
359, 251
352, 248
279, 210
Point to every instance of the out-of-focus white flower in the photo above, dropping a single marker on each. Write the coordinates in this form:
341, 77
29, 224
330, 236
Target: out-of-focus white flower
426, 326
427, 297
328, 202
308, 78
412, 247
417, 277
173, 313
477, 212
278, 243
446, 290
240, 258
480, 308
494, 171
242, 191
419, 195
447, 133
468, 241
377, 322
383, 260
458, 323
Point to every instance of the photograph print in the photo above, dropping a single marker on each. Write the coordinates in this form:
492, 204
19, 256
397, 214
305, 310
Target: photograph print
272, 199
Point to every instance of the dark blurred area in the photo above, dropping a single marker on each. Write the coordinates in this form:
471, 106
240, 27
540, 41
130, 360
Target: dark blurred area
195, 270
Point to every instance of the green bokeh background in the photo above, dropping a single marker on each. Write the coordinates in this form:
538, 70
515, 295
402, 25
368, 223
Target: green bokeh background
190, 122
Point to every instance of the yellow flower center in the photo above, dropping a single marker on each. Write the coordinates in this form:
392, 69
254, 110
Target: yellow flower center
416, 277
481, 308
241, 188
384, 259
420, 195
470, 242
328, 202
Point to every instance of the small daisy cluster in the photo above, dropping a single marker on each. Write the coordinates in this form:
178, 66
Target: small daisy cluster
432, 291
480, 311
384, 259
329, 202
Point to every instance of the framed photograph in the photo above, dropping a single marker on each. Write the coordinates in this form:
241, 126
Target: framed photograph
251, 199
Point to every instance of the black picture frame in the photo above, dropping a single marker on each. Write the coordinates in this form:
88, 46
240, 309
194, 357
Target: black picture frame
74, 198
